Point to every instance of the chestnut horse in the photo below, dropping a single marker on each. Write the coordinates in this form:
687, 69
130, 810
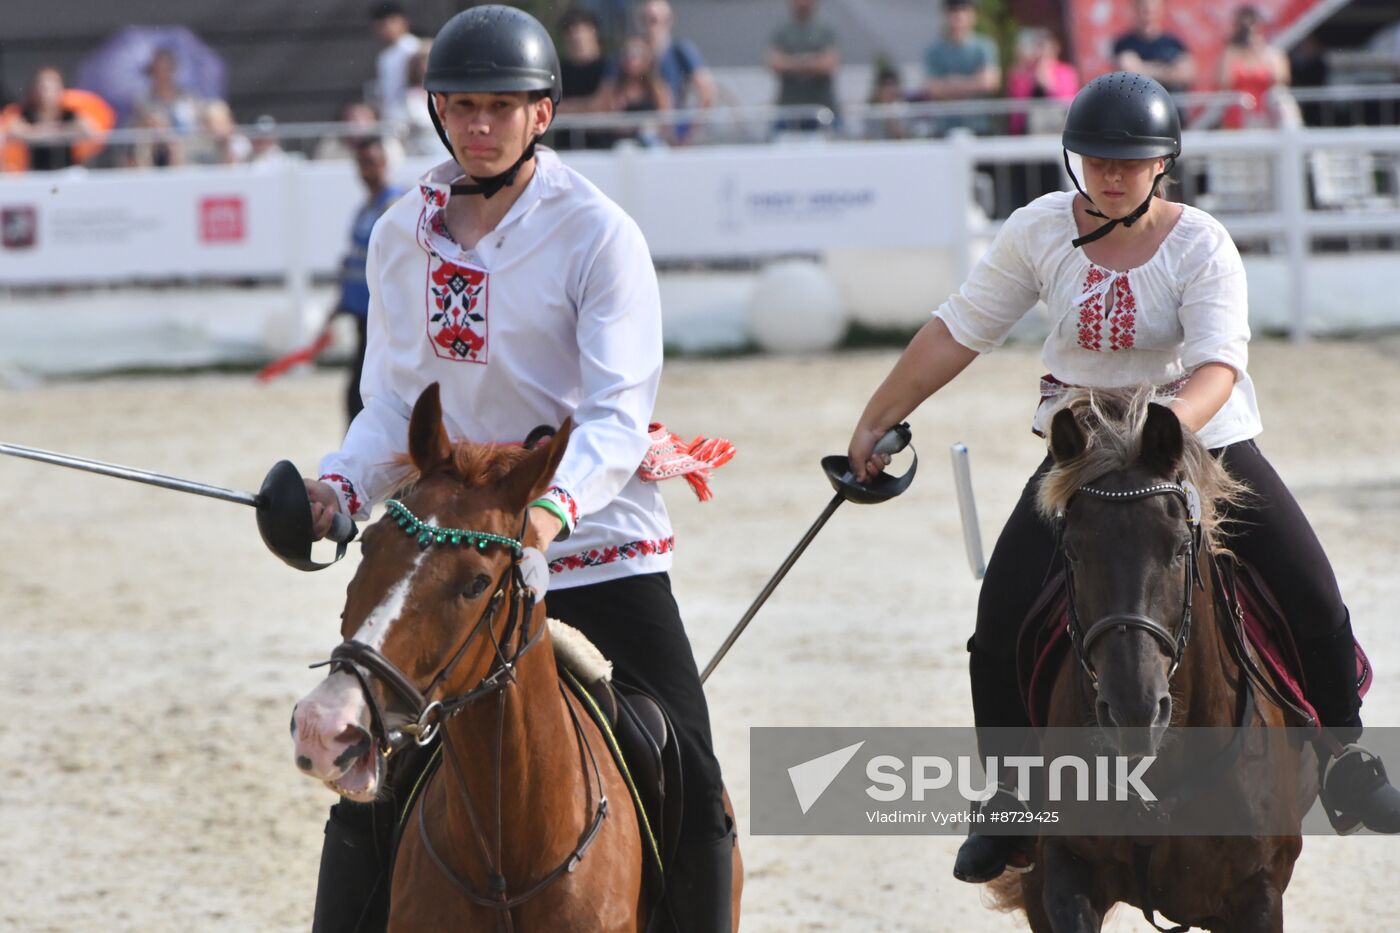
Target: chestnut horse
527, 824
1140, 500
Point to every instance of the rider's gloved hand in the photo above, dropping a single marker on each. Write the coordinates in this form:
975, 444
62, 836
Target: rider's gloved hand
534, 569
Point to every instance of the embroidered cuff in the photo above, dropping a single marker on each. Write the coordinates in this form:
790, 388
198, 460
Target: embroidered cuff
350, 502
563, 505
552, 507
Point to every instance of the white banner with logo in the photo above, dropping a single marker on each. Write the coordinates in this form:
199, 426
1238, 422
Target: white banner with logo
73, 228
760, 201
292, 218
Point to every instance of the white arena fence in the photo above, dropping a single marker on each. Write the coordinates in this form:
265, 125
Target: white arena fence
897, 224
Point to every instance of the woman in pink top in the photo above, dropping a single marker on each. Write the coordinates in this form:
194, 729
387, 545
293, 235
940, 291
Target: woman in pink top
1253, 67
1040, 74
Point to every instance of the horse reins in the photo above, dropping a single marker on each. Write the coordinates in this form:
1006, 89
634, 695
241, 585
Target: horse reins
365, 662
1175, 643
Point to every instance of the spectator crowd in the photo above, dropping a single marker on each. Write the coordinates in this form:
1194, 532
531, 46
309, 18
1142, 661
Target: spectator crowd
644, 84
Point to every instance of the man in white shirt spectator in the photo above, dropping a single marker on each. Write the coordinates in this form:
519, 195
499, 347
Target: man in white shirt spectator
391, 65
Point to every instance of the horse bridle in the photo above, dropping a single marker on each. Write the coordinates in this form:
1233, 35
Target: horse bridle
1183, 791
1175, 643
365, 662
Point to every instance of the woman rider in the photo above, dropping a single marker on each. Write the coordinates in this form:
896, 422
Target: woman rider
1141, 291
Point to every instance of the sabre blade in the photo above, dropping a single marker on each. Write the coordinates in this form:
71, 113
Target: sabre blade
130, 473
771, 585
276, 504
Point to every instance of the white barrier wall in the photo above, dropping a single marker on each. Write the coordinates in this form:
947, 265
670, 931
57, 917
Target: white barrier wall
892, 221
290, 218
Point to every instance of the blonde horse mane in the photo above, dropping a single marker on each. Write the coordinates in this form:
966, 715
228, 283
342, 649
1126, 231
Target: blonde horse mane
1112, 421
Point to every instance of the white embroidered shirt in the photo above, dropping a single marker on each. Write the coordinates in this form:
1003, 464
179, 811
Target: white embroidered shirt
554, 313
1186, 306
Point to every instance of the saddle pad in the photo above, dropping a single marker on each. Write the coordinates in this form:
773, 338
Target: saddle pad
647, 816
1044, 642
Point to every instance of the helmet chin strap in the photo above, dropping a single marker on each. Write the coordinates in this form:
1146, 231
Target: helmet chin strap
1127, 221
489, 186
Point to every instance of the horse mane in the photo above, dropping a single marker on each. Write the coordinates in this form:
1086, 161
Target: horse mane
1112, 421
471, 464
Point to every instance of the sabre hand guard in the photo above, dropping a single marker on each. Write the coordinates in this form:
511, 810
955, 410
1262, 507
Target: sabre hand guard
284, 520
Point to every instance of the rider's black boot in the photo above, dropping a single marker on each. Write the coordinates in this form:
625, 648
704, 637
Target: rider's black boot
700, 885
1356, 793
1355, 789
984, 855
352, 892
996, 702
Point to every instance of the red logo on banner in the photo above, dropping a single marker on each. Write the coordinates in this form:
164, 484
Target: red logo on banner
19, 226
221, 220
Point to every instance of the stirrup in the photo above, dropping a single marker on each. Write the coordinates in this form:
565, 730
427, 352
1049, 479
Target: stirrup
1373, 777
1010, 847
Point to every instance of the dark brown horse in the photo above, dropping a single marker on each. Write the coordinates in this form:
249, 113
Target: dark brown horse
1140, 581
527, 824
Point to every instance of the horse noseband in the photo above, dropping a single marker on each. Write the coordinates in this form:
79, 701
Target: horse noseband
1175, 644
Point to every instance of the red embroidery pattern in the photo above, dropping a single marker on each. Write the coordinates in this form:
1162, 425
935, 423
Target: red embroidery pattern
1121, 320
347, 488
433, 195
457, 311
608, 555
1122, 329
437, 222
565, 502
1091, 312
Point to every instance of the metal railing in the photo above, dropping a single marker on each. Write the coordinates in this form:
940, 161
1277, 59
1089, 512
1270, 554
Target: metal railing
723, 125
1289, 192
756, 123
1349, 105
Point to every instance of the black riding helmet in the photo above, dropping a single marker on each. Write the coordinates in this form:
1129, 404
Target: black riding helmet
1122, 115
492, 49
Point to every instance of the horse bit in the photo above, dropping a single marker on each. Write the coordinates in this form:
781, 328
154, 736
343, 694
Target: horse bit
365, 662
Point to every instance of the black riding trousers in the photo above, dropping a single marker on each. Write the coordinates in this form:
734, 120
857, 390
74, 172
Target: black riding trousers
1270, 533
635, 622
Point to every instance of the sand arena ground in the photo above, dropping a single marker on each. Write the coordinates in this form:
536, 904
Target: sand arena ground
153, 650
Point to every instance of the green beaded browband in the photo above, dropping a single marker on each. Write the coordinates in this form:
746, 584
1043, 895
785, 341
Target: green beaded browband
431, 534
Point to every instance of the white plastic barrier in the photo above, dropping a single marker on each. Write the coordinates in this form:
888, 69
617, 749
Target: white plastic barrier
892, 219
289, 218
